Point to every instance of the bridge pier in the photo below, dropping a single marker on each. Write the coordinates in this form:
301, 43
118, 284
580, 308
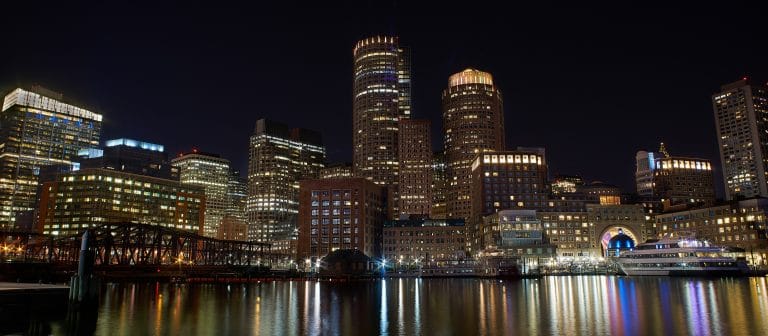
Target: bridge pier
84, 286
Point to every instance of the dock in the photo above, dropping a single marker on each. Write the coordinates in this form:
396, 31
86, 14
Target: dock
32, 294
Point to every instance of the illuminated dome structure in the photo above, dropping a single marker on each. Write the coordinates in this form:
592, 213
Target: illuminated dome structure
618, 243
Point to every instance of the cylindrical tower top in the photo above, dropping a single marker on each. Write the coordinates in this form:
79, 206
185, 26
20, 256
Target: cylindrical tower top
470, 76
374, 40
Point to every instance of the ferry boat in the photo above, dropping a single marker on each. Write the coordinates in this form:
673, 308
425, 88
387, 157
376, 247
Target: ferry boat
681, 256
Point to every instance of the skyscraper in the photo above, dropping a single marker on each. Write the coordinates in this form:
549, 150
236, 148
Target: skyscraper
645, 164
473, 123
212, 173
439, 185
415, 176
279, 158
741, 111
39, 128
237, 195
381, 97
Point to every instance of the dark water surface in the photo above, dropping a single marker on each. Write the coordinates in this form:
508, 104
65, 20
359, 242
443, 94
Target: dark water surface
578, 305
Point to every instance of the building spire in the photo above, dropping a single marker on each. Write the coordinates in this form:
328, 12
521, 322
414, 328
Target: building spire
663, 150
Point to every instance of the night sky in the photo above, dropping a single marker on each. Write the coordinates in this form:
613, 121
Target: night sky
591, 84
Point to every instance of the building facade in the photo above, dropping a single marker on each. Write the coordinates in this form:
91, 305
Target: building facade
237, 195
645, 163
439, 186
739, 224
505, 180
78, 200
232, 228
415, 175
424, 242
210, 172
341, 213
681, 180
742, 135
473, 123
39, 128
381, 98
279, 158
516, 234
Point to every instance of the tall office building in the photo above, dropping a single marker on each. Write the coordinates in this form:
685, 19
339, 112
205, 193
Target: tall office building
279, 158
39, 128
439, 185
381, 97
506, 180
237, 195
212, 173
681, 180
415, 176
473, 122
742, 134
644, 166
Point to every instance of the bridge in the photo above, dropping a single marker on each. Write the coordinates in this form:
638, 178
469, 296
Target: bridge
121, 246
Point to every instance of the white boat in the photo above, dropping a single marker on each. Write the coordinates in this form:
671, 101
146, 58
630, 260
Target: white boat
681, 256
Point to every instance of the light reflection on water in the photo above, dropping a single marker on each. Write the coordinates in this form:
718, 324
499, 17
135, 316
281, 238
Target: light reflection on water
585, 305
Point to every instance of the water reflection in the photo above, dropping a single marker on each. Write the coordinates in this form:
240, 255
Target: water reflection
555, 305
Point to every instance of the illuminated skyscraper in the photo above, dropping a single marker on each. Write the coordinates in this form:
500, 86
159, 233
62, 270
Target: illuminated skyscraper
645, 164
439, 185
279, 158
237, 196
415, 176
211, 172
39, 128
681, 180
473, 122
381, 97
742, 134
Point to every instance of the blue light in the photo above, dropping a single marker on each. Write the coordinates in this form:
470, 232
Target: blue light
134, 143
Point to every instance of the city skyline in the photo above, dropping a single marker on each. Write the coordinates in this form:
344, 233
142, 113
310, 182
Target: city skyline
598, 81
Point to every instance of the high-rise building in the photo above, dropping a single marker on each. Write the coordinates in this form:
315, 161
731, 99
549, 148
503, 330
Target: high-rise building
212, 173
681, 180
336, 170
415, 176
341, 213
85, 198
505, 180
381, 97
645, 164
473, 123
439, 185
237, 195
279, 158
130, 156
742, 135
39, 128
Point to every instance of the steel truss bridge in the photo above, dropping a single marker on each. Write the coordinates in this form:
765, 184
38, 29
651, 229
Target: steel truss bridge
132, 244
